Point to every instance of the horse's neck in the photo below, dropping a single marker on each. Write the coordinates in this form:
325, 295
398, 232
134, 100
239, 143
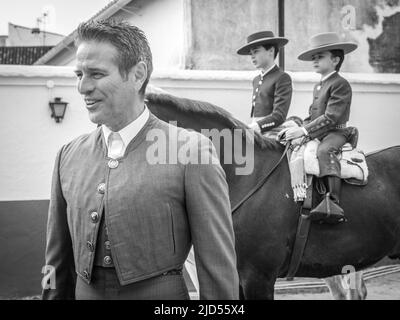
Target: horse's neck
264, 161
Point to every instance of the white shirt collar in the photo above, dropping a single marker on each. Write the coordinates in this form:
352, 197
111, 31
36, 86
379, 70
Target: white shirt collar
328, 76
264, 73
131, 130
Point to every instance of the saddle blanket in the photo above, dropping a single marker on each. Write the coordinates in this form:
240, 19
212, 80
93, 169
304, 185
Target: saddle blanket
352, 162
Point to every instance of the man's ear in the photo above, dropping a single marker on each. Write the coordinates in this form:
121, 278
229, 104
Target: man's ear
138, 74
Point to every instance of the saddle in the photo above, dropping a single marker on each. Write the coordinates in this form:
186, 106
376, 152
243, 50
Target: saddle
303, 164
354, 169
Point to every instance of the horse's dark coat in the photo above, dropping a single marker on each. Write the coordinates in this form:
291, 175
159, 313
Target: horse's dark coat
265, 225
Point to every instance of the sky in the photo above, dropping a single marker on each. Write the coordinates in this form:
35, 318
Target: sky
64, 15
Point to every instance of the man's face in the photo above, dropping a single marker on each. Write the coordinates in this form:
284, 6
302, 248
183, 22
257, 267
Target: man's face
262, 58
108, 95
324, 63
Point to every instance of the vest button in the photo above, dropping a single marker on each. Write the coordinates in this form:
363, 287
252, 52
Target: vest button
107, 244
112, 164
94, 216
90, 246
101, 188
107, 260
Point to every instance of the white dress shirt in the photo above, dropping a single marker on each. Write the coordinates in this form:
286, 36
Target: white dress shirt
130, 131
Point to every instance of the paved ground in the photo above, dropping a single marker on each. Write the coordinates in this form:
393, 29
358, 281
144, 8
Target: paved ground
382, 288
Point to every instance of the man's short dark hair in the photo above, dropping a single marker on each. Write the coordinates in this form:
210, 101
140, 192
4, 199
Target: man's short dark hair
340, 54
269, 46
130, 42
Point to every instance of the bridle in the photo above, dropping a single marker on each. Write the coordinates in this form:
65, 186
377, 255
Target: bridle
262, 181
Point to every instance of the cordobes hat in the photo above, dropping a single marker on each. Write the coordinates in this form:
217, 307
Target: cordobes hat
261, 38
326, 42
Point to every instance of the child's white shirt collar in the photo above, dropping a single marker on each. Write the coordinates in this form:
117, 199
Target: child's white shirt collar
327, 76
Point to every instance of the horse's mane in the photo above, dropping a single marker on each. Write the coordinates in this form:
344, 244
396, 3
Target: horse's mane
195, 106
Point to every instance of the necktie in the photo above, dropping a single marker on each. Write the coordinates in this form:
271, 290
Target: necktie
115, 145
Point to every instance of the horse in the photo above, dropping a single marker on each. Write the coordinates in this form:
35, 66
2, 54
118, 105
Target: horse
265, 224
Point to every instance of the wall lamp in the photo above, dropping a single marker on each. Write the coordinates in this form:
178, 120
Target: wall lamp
58, 108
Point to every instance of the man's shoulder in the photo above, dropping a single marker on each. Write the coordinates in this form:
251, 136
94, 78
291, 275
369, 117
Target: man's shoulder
186, 140
173, 127
83, 141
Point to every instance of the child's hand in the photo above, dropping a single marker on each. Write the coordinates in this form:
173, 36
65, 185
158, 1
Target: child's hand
254, 126
294, 133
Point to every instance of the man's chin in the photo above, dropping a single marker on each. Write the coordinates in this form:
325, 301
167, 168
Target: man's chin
95, 118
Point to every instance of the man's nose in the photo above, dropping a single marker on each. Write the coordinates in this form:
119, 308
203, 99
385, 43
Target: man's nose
85, 85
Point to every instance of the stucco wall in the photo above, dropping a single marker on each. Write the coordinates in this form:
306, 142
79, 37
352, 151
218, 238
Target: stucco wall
31, 138
220, 27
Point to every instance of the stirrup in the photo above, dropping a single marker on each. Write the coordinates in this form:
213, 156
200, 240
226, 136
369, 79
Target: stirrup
327, 211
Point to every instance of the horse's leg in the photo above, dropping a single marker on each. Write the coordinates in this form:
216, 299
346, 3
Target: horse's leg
258, 288
360, 291
335, 287
347, 287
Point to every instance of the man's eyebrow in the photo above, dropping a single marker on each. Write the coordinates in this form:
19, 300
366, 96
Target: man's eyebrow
94, 69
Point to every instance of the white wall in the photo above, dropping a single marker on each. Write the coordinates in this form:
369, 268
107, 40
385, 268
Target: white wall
163, 24
22, 36
30, 138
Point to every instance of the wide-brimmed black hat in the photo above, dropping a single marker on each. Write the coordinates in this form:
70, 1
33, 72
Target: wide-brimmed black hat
261, 38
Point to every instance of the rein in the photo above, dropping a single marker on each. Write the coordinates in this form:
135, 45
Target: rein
262, 181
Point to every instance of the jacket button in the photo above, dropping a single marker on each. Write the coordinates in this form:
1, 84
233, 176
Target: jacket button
107, 244
90, 246
86, 274
101, 188
94, 216
113, 163
107, 260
